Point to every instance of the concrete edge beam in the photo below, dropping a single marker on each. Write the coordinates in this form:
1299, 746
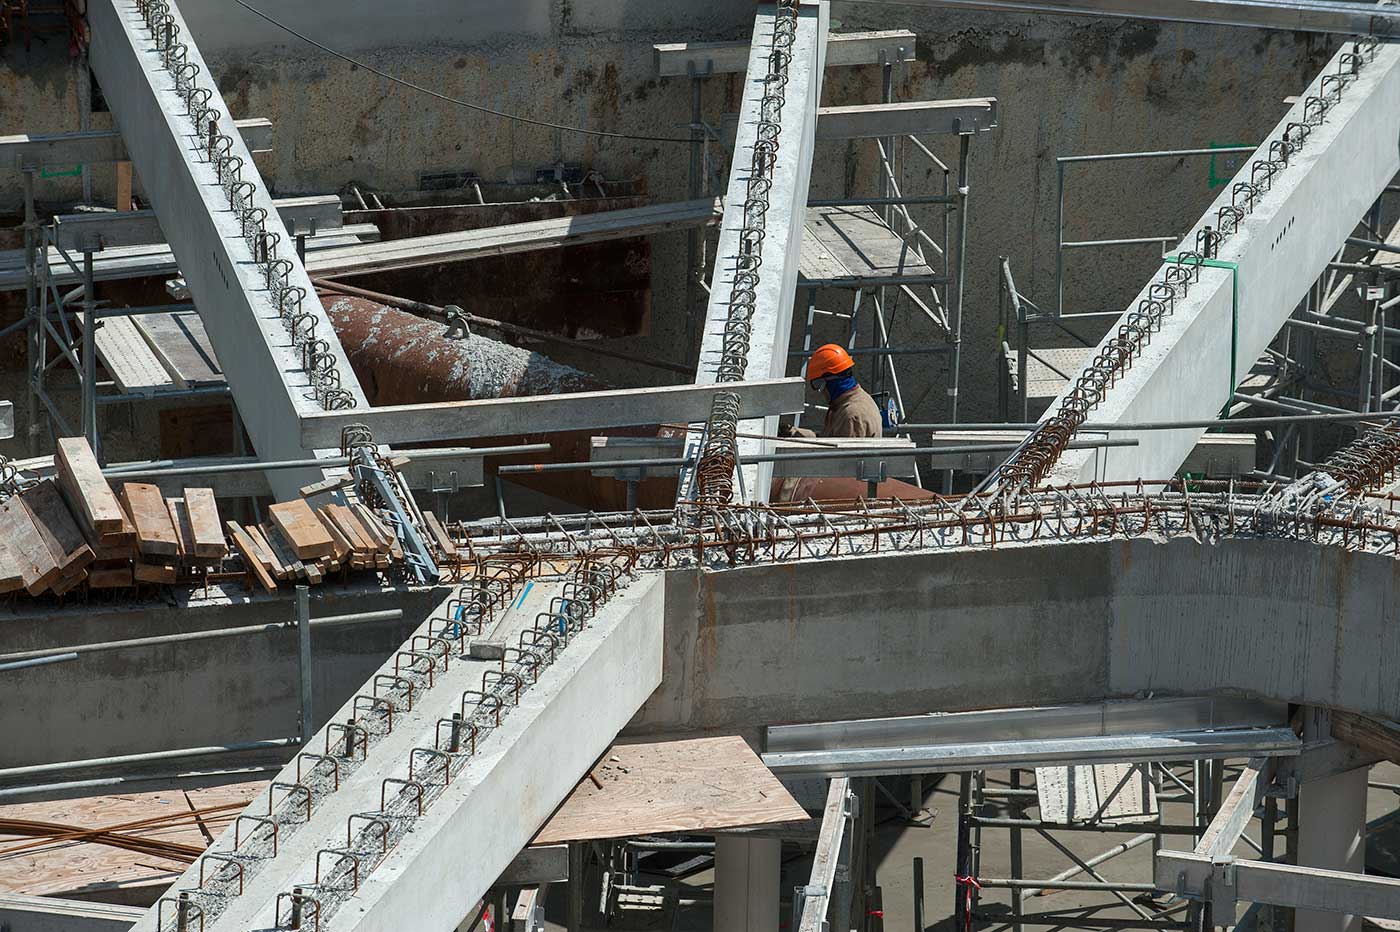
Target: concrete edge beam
500, 417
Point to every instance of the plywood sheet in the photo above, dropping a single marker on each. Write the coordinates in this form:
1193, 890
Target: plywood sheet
854, 242
700, 785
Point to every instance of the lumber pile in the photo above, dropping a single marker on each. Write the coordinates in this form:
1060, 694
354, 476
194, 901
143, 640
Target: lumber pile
76, 529
301, 543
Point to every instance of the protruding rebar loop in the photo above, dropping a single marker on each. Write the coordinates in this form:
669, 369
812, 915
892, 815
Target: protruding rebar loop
278, 274
371, 819
1315, 110
296, 911
1334, 85
1280, 150
253, 219
241, 198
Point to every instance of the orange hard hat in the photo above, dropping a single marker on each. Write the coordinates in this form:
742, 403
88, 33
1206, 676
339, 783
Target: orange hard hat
828, 360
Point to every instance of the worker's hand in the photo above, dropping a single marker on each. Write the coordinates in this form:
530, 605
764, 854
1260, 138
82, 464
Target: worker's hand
786, 431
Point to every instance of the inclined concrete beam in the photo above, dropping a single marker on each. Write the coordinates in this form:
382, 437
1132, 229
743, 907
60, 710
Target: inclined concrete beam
259, 361
504, 417
771, 323
701, 59
57, 149
1189, 369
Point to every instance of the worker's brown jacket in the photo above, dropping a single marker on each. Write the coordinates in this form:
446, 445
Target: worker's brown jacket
854, 414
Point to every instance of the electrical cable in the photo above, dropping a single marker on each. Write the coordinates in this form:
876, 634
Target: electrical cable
452, 100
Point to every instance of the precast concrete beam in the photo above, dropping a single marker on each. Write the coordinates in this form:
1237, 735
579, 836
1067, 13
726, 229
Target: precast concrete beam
435, 861
1303, 212
230, 290
769, 327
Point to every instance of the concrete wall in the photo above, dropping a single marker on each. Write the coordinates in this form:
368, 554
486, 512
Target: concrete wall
907, 634
1065, 85
191, 694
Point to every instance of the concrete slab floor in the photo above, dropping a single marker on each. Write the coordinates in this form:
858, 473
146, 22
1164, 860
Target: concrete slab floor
897, 844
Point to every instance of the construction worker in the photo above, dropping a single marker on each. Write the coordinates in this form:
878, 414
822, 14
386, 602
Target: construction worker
851, 412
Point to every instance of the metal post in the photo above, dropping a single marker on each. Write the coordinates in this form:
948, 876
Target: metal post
955, 357
1017, 894
918, 895
694, 268
1059, 239
89, 358
576, 882
962, 869
304, 661
31, 308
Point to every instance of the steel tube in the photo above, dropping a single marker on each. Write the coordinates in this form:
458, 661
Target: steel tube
64, 766
388, 614
39, 661
1013, 884
990, 822
889, 453
1153, 154
1095, 861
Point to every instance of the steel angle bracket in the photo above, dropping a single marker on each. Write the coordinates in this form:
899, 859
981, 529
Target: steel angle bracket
415, 550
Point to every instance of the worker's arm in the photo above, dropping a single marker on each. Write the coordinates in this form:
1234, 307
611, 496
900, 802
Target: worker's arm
787, 430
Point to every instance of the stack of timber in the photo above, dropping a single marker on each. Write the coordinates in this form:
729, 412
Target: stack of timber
76, 530
301, 543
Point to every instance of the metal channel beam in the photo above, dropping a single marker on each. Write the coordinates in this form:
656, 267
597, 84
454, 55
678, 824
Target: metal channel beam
1223, 881
698, 59
1156, 729
508, 417
58, 149
1210, 338
907, 118
951, 758
229, 288
141, 227
769, 326
506, 782
1293, 15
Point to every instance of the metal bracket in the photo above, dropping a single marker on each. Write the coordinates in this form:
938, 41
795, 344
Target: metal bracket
1222, 890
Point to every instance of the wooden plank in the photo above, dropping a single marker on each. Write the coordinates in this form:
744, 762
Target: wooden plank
11, 578
373, 527
701, 785
124, 185
184, 534
440, 535
69, 583
244, 545
282, 551
117, 577
342, 546
37, 567
305, 533
203, 508
56, 526
359, 538
154, 572
92, 496
155, 534
268, 553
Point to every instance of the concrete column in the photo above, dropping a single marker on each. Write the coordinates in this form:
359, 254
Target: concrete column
746, 883
1331, 834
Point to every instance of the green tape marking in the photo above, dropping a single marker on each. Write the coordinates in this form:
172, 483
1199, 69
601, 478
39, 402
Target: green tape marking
1234, 316
73, 172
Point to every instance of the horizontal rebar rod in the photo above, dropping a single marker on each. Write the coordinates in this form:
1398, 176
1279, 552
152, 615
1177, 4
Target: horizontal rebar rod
45, 657
887, 452
1176, 425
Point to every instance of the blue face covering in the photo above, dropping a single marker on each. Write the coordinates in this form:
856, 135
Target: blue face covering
838, 385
